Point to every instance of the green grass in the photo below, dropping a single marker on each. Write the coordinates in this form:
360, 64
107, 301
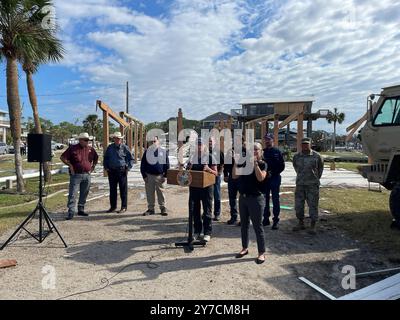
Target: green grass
7, 167
9, 197
364, 215
14, 199
343, 154
32, 184
11, 217
351, 166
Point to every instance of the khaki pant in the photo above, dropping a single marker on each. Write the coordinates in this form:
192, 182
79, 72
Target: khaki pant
154, 185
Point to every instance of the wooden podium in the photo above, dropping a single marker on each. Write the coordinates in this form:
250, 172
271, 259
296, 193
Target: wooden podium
190, 178
199, 179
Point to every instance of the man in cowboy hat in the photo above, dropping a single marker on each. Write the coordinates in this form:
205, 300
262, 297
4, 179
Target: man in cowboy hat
117, 162
81, 160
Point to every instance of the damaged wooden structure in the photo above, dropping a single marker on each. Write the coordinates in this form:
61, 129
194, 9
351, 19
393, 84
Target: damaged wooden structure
131, 128
221, 125
262, 112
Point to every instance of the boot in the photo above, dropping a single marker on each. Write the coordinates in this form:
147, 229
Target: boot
164, 211
313, 228
300, 226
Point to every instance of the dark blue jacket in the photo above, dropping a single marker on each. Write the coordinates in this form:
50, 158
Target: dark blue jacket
274, 158
157, 168
116, 157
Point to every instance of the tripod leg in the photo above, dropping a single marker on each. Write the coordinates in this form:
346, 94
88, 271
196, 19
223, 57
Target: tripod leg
19, 228
47, 217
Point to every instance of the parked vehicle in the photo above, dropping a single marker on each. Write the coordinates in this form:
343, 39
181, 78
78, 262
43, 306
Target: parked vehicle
11, 149
3, 148
380, 138
59, 146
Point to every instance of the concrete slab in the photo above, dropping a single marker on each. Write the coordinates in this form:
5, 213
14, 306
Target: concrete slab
338, 178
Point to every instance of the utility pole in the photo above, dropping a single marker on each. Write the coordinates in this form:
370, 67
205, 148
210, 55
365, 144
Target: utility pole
127, 97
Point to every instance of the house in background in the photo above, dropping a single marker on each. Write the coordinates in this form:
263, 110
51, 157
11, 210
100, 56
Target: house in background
213, 120
4, 125
256, 108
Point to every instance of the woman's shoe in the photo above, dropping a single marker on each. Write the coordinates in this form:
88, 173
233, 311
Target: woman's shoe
259, 261
241, 255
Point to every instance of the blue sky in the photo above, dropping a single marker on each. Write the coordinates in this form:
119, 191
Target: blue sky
207, 55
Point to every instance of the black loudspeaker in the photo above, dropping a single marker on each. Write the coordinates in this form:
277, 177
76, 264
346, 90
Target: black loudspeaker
39, 147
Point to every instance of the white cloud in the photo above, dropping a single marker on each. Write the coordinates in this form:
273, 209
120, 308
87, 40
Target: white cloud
337, 50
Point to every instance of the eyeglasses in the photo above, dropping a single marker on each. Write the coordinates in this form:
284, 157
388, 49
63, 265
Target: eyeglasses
86, 140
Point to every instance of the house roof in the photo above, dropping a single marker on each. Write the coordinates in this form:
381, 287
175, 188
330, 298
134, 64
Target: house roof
3, 111
269, 100
218, 116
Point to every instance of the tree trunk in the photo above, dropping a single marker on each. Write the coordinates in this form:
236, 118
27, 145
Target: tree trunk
334, 136
38, 127
33, 100
14, 108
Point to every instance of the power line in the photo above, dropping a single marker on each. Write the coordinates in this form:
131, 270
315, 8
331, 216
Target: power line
69, 93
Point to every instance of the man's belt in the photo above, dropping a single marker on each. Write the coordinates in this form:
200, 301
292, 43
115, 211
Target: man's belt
250, 195
118, 168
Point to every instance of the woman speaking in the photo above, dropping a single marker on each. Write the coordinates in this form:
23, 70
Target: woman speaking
252, 203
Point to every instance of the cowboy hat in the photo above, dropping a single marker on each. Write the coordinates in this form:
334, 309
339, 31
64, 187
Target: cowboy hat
84, 136
117, 135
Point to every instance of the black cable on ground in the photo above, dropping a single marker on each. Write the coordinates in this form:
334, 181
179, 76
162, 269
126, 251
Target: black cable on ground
107, 281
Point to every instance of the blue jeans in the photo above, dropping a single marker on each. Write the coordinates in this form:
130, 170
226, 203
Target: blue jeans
272, 186
81, 183
233, 191
217, 196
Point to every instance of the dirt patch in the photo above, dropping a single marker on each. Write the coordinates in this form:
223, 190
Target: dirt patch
134, 257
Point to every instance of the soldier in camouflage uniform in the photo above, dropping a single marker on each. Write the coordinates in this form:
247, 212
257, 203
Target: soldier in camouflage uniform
309, 166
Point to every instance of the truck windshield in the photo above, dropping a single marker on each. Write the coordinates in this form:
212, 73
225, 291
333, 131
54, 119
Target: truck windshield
389, 113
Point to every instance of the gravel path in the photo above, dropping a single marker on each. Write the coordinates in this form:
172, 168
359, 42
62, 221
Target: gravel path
133, 257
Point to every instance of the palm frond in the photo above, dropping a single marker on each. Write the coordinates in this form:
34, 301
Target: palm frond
22, 33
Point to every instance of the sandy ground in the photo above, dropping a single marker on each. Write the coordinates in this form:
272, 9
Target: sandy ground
134, 257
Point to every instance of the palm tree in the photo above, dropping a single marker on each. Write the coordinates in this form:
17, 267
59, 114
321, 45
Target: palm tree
93, 124
50, 50
21, 35
335, 117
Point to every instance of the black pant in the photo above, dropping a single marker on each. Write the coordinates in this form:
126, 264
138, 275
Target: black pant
252, 208
118, 177
233, 193
198, 197
272, 186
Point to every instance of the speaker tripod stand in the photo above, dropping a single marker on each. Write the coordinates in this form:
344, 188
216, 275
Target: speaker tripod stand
43, 216
191, 243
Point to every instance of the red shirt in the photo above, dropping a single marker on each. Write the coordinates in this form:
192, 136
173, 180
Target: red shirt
81, 158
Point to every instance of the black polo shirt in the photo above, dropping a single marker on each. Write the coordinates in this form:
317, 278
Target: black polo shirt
249, 185
199, 166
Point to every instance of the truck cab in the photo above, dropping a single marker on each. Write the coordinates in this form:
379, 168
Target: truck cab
381, 141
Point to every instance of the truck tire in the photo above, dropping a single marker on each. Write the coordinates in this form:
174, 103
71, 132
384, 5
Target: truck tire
395, 204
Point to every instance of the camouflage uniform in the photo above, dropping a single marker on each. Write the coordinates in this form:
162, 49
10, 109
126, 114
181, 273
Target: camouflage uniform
309, 168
